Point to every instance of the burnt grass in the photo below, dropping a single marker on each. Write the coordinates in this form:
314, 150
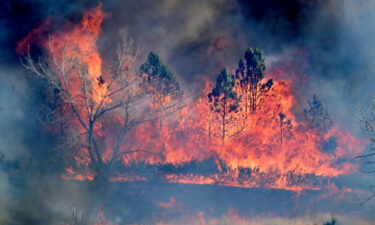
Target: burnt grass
137, 202
47, 200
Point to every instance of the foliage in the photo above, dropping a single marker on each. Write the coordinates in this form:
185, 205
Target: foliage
317, 117
250, 73
224, 103
158, 79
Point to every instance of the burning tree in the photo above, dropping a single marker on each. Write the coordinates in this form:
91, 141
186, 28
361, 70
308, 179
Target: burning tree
318, 120
250, 73
97, 107
224, 104
285, 126
157, 78
102, 113
159, 81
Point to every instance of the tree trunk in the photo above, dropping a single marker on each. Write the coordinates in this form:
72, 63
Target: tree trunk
223, 122
101, 182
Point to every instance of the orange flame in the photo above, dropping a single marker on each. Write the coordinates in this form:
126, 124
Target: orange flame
261, 155
80, 43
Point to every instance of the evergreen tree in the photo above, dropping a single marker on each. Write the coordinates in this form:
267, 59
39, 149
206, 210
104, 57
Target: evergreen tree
158, 79
319, 121
317, 117
224, 104
250, 72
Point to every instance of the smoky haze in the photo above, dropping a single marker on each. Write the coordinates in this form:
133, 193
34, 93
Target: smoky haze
330, 41
198, 39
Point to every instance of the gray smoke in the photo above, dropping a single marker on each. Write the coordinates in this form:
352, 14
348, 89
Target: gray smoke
196, 39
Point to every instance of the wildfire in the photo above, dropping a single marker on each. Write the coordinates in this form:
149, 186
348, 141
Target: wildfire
79, 41
269, 148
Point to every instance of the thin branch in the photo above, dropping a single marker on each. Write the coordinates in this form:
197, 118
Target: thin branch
363, 156
138, 150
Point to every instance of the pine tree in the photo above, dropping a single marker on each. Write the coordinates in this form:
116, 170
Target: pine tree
250, 73
224, 104
317, 117
158, 79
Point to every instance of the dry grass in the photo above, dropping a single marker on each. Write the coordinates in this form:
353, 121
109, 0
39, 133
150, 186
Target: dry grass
321, 219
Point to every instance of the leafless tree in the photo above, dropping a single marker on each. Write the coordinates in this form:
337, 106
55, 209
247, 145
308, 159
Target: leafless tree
87, 106
368, 127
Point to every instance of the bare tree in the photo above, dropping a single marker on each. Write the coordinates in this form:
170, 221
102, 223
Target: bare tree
91, 104
367, 122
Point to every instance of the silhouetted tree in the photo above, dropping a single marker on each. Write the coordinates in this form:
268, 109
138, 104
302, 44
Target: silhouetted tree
317, 117
285, 126
368, 123
159, 80
250, 72
318, 120
330, 144
368, 159
224, 104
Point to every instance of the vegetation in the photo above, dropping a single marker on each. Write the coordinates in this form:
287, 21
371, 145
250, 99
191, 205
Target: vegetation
250, 73
82, 108
224, 104
159, 80
317, 117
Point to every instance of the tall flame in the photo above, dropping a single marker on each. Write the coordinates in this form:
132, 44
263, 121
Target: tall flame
80, 42
261, 155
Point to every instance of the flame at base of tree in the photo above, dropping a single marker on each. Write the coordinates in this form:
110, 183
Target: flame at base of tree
259, 156
240, 132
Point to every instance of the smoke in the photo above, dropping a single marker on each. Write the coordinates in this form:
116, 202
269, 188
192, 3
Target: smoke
195, 40
201, 38
4, 190
344, 68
